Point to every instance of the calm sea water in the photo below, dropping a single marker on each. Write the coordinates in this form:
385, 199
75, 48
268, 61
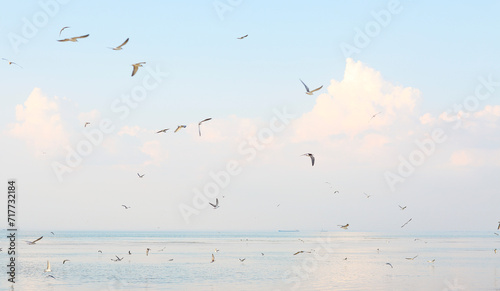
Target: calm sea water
182, 261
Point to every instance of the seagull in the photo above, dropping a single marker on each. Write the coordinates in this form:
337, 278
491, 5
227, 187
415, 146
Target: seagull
496, 233
99, 251
50, 276
311, 156
411, 259
402, 208
120, 46
431, 261
140, 176
126, 207
136, 67
495, 250
65, 261
336, 191
199, 123
147, 251
307, 89
242, 37
300, 252
389, 264
345, 259
63, 29
163, 130
213, 258
242, 260
367, 196
117, 259
34, 242
344, 226
129, 253
86, 123
498, 225
373, 116
170, 260
11, 63
73, 39
406, 223
216, 250
179, 127
52, 233
48, 267
262, 253
216, 203
162, 249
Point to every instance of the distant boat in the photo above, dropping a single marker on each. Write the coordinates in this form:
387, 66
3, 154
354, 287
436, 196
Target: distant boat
288, 230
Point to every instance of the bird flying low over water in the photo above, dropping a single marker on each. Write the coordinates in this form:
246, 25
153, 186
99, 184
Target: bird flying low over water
213, 258
242, 37
163, 130
140, 176
344, 226
411, 259
136, 67
126, 207
300, 252
11, 63
242, 260
406, 223
179, 128
48, 267
402, 208
34, 242
216, 203
120, 46
64, 261
367, 196
389, 264
311, 156
307, 88
73, 39
199, 123
117, 259
62, 30
147, 251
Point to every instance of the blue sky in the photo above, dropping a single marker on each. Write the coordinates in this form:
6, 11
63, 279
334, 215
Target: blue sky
427, 58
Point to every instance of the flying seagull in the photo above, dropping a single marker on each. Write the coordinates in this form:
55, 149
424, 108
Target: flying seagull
495, 250
99, 251
367, 196
199, 123
136, 67
406, 223
163, 130
129, 253
216, 250
498, 225
311, 156
62, 30
179, 128
52, 233
126, 207
34, 242
140, 176
147, 251
48, 267
242, 260
431, 261
307, 89
373, 116
389, 264
216, 203
86, 123
73, 39
411, 259
120, 46
344, 226
65, 261
300, 252
242, 37
402, 208
213, 258
11, 63
50, 276
117, 259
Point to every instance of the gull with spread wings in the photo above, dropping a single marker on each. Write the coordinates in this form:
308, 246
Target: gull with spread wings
199, 123
73, 39
307, 88
118, 48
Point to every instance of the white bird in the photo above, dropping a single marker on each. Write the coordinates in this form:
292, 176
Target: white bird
311, 156
62, 30
126, 207
411, 259
147, 251
367, 196
216, 250
140, 176
120, 46
163, 130
431, 261
199, 123
216, 203
48, 267
179, 128
242, 37
136, 67
73, 39
344, 226
402, 208
242, 260
34, 242
495, 250
307, 88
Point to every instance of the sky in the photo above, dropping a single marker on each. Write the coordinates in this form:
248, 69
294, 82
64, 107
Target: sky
408, 115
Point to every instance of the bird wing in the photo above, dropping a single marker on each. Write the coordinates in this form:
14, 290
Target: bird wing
61, 40
37, 239
211, 204
298, 252
307, 88
216, 202
312, 159
83, 36
63, 29
206, 119
316, 89
135, 69
124, 43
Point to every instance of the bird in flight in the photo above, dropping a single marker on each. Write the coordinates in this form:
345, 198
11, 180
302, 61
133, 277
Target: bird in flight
373, 116
99, 251
11, 63
495, 250
216, 203
129, 253
62, 30
163, 130
199, 123
179, 128
300, 252
311, 156
242, 260
34, 242
367, 196
50, 276
242, 37
120, 46
126, 207
498, 225
136, 67
213, 258
216, 250
402, 208
411, 259
307, 89
140, 176
48, 267
344, 226
431, 261
65, 261
86, 123
73, 39
389, 264
147, 251
406, 223
117, 259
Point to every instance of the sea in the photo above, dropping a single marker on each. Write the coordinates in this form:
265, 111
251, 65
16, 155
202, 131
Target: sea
273, 260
